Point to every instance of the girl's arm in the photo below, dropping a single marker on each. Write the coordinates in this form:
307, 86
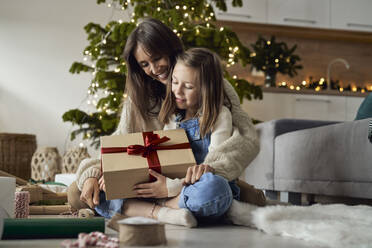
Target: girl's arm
222, 129
230, 158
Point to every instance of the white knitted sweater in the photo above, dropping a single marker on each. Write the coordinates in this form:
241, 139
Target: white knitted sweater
228, 159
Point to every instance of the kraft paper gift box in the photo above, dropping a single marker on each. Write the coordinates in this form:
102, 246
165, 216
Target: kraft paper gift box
121, 171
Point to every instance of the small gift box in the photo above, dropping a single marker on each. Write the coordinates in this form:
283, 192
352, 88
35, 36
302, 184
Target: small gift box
126, 159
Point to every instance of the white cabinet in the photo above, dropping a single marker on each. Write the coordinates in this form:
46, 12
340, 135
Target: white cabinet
313, 107
305, 13
273, 106
303, 106
332, 14
351, 15
352, 106
251, 11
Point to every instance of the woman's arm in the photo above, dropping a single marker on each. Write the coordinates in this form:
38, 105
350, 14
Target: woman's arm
92, 167
230, 158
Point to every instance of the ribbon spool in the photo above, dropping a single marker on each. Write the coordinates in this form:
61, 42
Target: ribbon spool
140, 231
22, 201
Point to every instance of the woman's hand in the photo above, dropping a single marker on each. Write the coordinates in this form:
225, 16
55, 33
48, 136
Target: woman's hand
90, 192
101, 184
157, 189
195, 172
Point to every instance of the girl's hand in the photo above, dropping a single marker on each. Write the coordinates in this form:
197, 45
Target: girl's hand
195, 172
157, 189
90, 192
101, 183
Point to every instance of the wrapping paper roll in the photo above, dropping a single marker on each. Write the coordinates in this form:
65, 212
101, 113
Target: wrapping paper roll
38, 228
140, 231
22, 201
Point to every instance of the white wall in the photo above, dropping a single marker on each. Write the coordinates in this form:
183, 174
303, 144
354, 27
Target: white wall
39, 40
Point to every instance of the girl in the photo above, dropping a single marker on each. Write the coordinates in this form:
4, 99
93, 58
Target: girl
194, 102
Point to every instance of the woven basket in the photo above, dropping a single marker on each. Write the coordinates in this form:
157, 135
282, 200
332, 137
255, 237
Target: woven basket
16, 151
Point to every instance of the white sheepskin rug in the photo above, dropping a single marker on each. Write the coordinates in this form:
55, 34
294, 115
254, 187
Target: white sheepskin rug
334, 225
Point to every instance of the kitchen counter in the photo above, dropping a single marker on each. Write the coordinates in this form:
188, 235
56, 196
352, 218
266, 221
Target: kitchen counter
313, 92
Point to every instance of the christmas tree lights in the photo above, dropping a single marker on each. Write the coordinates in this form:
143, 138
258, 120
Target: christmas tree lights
190, 20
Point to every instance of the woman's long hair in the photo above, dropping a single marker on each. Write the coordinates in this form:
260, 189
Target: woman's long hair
210, 77
157, 39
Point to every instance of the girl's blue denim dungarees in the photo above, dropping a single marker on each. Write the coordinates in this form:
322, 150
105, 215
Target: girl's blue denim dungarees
212, 195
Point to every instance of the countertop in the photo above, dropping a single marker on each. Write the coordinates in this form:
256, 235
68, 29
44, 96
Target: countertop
313, 92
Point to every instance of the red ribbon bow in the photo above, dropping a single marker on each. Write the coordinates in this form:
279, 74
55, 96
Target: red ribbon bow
148, 150
151, 142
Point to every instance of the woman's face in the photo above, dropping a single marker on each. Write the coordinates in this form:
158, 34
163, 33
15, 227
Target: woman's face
156, 67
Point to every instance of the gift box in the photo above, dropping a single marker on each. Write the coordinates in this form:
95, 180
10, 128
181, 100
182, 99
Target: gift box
126, 159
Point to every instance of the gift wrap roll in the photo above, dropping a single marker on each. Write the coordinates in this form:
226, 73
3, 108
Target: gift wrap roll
140, 231
38, 228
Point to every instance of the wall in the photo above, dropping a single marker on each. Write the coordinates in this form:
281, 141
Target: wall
39, 40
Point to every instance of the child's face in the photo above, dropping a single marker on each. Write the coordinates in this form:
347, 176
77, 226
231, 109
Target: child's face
185, 88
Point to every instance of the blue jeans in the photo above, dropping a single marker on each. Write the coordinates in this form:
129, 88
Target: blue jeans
108, 208
210, 197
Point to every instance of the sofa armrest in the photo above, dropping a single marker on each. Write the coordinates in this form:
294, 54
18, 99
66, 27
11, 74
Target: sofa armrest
260, 172
328, 160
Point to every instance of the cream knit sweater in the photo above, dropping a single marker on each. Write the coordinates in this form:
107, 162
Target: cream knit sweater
229, 159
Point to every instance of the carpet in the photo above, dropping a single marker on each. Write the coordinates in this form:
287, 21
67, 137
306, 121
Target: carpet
334, 225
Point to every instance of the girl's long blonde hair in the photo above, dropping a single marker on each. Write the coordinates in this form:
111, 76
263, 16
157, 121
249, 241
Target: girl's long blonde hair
210, 77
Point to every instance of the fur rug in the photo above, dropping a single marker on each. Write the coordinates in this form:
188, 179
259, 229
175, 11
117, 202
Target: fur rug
334, 225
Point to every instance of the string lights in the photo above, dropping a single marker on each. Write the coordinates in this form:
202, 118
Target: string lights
321, 85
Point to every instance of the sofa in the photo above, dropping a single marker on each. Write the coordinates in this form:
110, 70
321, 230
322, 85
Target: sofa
313, 157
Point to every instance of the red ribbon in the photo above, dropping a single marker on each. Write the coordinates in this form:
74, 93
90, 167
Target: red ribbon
148, 150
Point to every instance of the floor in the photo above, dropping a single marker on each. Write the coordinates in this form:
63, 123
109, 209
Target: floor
209, 236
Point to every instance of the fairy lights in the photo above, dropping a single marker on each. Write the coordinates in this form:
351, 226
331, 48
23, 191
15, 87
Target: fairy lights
321, 85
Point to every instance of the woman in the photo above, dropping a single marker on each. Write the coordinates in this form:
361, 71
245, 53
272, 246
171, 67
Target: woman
150, 53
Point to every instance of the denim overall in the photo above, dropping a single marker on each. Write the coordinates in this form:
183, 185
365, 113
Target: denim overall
212, 195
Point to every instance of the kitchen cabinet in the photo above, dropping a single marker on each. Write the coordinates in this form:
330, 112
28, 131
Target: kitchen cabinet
303, 106
351, 15
319, 107
273, 106
305, 13
352, 106
330, 14
251, 11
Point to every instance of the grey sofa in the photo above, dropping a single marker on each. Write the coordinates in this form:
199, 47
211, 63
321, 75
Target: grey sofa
314, 157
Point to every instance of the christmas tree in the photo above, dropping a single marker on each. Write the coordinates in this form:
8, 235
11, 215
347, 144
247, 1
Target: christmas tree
191, 20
